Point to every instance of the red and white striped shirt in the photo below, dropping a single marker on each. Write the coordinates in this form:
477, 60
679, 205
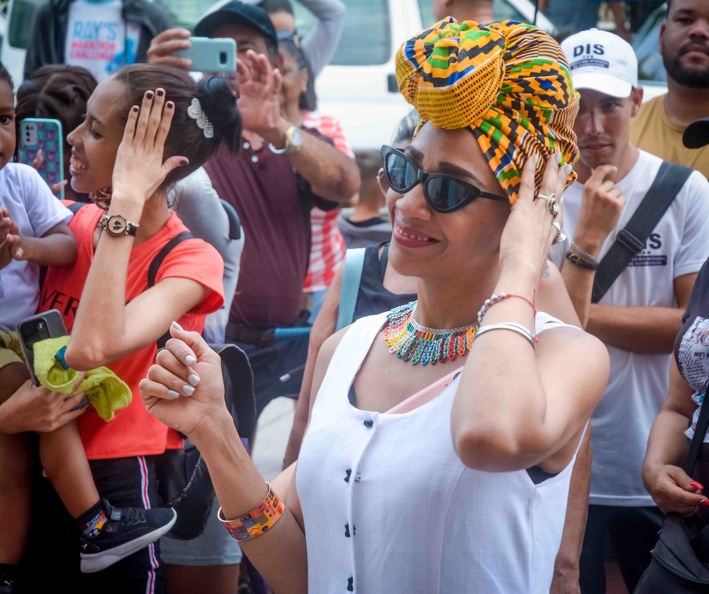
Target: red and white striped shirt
327, 245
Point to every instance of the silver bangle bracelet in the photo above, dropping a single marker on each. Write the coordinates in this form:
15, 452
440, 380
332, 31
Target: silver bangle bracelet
582, 252
518, 328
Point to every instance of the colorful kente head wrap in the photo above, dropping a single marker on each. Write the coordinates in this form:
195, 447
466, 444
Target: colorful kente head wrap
509, 82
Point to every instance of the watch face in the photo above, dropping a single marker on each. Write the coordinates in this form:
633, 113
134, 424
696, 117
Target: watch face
296, 137
116, 225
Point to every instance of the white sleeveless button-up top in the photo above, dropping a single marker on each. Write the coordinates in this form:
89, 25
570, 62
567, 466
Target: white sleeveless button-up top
389, 508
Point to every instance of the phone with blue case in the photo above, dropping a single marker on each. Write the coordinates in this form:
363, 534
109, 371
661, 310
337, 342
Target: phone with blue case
45, 134
210, 55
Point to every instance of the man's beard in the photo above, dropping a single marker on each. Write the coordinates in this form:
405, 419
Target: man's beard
695, 79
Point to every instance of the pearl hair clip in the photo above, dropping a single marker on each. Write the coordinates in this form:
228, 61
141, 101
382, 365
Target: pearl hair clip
196, 112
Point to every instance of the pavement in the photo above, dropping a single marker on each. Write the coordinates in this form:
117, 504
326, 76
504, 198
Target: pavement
272, 431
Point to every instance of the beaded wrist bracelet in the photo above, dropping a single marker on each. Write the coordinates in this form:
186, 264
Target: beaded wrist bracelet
497, 298
256, 522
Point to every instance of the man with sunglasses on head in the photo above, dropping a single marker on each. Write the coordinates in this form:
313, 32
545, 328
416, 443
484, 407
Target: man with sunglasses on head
640, 313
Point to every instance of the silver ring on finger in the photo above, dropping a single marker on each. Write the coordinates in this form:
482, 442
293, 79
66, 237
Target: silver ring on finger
560, 236
552, 205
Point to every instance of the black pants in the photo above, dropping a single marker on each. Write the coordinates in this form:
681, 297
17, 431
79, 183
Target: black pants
51, 561
630, 532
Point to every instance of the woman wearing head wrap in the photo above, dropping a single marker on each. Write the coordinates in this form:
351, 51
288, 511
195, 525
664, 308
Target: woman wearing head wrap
415, 475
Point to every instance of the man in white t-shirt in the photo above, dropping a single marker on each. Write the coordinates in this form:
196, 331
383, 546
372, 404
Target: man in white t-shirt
640, 315
99, 35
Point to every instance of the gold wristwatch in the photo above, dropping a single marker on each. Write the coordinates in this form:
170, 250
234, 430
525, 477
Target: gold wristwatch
294, 142
117, 225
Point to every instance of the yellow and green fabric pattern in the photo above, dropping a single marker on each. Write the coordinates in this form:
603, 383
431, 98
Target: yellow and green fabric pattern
508, 82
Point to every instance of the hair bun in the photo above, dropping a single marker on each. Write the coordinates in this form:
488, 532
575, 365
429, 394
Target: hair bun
452, 72
218, 103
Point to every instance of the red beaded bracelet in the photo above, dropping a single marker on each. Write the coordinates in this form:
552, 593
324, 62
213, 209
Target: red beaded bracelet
495, 298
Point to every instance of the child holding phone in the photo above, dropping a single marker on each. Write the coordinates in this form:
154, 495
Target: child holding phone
33, 233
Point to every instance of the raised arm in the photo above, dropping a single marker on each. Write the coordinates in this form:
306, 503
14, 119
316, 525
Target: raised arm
601, 207
279, 555
321, 42
106, 328
332, 174
618, 10
519, 404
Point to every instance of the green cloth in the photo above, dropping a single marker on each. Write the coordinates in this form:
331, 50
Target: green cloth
105, 391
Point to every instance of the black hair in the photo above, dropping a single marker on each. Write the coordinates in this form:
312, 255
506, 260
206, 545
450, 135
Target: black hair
186, 138
273, 6
290, 42
404, 131
56, 91
5, 75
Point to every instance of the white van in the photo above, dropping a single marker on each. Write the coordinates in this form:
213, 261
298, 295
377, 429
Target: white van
359, 85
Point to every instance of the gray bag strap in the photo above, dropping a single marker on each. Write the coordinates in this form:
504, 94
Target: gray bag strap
351, 277
631, 239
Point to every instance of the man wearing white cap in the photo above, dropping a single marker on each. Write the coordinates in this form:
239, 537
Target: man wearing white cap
636, 312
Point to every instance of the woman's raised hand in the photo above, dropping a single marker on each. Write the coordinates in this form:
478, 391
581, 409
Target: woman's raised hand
532, 227
139, 169
185, 386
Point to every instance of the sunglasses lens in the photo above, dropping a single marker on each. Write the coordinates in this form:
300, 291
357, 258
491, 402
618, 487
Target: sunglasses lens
400, 172
445, 194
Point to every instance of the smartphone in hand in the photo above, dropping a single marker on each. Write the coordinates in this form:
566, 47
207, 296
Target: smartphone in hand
210, 55
43, 134
48, 324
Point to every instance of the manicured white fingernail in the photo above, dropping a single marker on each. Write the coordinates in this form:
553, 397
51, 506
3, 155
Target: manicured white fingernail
557, 158
188, 390
535, 159
176, 325
172, 394
568, 169
191, 359
193, 379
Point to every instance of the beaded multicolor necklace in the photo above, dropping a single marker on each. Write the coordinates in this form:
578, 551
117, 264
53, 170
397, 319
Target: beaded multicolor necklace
419, 344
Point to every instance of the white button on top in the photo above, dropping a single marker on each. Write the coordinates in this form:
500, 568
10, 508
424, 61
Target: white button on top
246, 145
254, 159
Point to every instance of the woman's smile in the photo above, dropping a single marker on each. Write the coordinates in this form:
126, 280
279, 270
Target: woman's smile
76, 165
412, 238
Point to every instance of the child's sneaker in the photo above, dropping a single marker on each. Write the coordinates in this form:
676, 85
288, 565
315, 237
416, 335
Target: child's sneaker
6, 582
127, 530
